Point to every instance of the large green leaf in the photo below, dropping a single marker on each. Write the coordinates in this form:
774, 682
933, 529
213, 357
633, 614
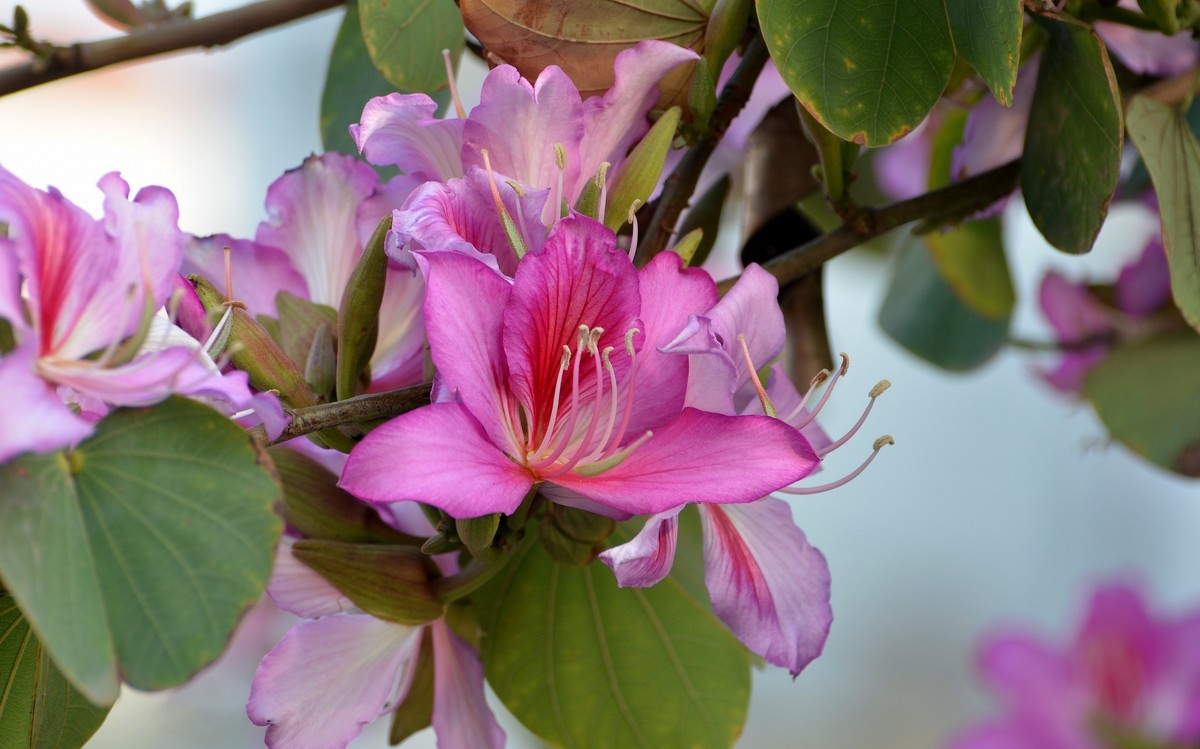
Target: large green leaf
405, 39
1073, 142
139, 551
39, 708
583, 663
972, 263
922, 313
1172, 154
351, 80
868, 70
987, 34
1148, 396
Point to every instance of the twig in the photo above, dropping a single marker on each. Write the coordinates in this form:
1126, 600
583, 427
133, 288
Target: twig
682, 183
352, 410
211, 31
957, 200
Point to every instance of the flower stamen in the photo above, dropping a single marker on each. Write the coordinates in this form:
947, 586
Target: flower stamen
763, 398
825, 396
799, 491
876, 391
459, 109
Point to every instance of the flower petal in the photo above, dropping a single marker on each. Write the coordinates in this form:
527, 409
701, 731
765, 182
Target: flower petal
646, 559
461, 717
464, 314
614, 122
326, 679
579, 278
1145, 284
1149, 52
438, 454
400, 130
259, 271
766, 582
299, 589
314, 219
519, 124
701, 457
42, 423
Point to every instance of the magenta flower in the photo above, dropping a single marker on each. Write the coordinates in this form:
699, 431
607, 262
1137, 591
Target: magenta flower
1149, 52
559, 380
766, 582
1088, 328
321, 215
342, 669
89, 286
1127, 679
526, 130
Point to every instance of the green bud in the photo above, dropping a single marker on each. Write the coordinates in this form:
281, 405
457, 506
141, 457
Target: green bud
320, 367
440, 543
1162, 12
705, 214
387, 582
640, 172
726, 27
563, 549
686, 247
582, 525
477, 535
255, 351
589, 200
702, 95
297, 324
358, 317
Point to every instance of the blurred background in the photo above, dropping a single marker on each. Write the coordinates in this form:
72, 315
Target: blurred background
1001, 502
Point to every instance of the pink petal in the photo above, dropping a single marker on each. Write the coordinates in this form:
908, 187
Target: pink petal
1075, 316
461, 717
327, 679
259, 271
1145, 284
386, 199
12, 309
701, 457
995, 134
298, 589
669, 293
399, 357
42, 423
1118, 647
440, 455
1035, 678
461, 216
464, 313
646, 559
400, 130
1149, 52
613, 123
314, 219
146, 231
766, 582
579, 278
519, 125
784, 395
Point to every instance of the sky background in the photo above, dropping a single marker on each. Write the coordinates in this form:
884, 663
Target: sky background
1001, 502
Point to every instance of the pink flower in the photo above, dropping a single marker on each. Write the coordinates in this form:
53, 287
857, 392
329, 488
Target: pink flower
342, 669
1127, 679
560, 381
526, 129
90, 287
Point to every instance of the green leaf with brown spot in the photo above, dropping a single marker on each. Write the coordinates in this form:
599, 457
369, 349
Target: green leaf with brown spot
987, 34
868, 70
405, 39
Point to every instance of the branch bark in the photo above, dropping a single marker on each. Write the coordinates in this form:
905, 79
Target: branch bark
210, 31
949, 203
360, 408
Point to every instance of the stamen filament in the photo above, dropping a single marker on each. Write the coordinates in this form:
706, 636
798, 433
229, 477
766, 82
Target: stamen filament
799, 491
562, 367
875, 393
602, 179
632, 218
630, 391
768, 406
614, 460
560, 160
812, 387
459, 109
571, 462
570, 428
825, 396
612, 407
228, 273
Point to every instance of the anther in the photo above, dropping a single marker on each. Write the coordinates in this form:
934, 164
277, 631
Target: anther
510, 228
825, 396
812, 387
458, 105
767, 405
629, 334
876, 391
602, 183
560, 160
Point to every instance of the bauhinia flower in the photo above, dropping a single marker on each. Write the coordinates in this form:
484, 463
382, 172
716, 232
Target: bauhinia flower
330, 676
766, 582
1087, 328
79, 296
321, 216
543, 136
1128, 679
558, 380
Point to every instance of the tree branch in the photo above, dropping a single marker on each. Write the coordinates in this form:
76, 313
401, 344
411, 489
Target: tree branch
357, 409
682, 183
949, 203
211, 31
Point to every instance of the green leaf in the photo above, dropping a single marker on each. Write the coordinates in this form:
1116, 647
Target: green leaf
868, 70
39, 708
388, 582
405, 39
1148, 397
1172, 154
970, 258
922, 313
988, 36
351, 80
1073, 143
583, 663
141, 550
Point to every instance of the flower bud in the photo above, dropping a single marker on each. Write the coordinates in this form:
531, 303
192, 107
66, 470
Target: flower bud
388, 582
358, 316
640, 172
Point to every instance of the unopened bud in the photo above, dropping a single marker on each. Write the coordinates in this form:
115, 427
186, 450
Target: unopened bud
358, 315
